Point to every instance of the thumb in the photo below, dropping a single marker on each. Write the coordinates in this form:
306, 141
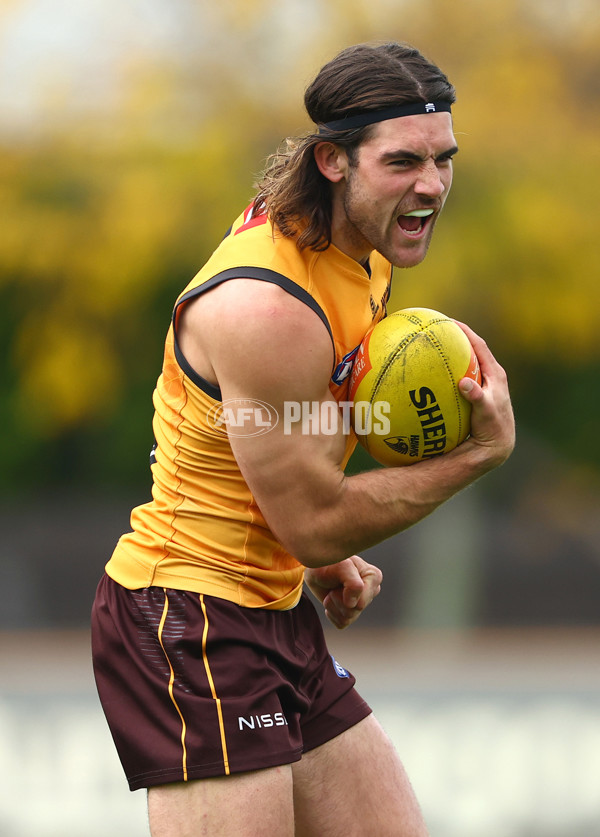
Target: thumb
470, 389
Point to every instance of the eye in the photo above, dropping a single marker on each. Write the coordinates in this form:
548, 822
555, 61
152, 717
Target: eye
402, 163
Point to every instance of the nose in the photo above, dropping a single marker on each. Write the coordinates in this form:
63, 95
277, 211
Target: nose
430, 181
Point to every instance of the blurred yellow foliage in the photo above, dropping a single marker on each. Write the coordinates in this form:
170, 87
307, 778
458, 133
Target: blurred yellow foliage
69, 373
102, 213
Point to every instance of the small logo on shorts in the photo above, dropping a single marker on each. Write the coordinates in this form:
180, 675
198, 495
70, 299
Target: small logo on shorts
339, 670
265, 721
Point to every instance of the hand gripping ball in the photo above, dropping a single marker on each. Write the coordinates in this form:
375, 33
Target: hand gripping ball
406, 405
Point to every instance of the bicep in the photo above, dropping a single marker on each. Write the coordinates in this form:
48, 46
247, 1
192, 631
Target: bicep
293, 471
272, 349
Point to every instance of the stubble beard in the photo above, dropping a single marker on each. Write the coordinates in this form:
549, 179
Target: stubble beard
365, 234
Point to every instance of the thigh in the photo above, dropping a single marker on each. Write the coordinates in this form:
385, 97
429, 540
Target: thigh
354, 785
253, 804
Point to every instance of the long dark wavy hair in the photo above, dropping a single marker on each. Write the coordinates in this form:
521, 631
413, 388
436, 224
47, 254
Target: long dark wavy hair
362, 78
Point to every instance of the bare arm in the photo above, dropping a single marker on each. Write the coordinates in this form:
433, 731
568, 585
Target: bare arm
261, 343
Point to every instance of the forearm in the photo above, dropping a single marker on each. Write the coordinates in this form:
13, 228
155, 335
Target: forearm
375, 505
368, 508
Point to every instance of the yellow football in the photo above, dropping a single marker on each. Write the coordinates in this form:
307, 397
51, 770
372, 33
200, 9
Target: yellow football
406, 405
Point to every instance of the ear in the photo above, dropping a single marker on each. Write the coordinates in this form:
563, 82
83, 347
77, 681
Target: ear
331, 160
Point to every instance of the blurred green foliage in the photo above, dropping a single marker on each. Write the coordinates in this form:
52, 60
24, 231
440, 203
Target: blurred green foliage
106, 216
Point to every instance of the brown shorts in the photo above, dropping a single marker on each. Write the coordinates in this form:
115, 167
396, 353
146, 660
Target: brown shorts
194, 686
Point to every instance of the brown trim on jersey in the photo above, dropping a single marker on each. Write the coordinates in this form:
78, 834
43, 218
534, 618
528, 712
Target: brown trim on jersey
265, 275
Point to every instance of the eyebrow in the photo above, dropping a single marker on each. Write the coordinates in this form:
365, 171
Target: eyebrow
411, 155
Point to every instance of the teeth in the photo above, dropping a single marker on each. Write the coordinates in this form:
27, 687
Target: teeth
419, 213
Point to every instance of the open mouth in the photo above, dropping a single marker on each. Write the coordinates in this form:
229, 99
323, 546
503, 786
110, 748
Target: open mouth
414, 222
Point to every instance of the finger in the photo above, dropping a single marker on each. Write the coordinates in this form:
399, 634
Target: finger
337, 599
339, 617
342, 616
334, 602
368, 572
335, 575
350, 580
475, 339
337, 623
488, 363
352, 593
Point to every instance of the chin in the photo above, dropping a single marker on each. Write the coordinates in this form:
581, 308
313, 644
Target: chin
410, 259
406, 254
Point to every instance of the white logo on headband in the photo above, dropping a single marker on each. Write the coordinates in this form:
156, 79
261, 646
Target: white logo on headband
429, 107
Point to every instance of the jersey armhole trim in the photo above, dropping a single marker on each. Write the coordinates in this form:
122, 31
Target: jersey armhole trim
261, 273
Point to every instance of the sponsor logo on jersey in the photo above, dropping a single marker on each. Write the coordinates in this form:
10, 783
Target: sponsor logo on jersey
362, 364
344, 367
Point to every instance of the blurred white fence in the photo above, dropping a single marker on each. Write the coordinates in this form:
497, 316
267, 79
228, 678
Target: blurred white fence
500, 734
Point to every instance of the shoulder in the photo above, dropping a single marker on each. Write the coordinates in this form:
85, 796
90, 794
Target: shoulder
252, 329
253, 306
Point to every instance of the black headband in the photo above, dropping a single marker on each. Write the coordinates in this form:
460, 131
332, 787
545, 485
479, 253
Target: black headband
359, 120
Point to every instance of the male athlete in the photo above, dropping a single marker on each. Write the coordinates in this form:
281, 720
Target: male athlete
210, 660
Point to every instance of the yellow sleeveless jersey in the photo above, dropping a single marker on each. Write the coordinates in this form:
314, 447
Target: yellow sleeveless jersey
203, 531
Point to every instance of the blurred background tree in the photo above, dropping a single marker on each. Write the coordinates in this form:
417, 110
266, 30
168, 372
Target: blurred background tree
131, 135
